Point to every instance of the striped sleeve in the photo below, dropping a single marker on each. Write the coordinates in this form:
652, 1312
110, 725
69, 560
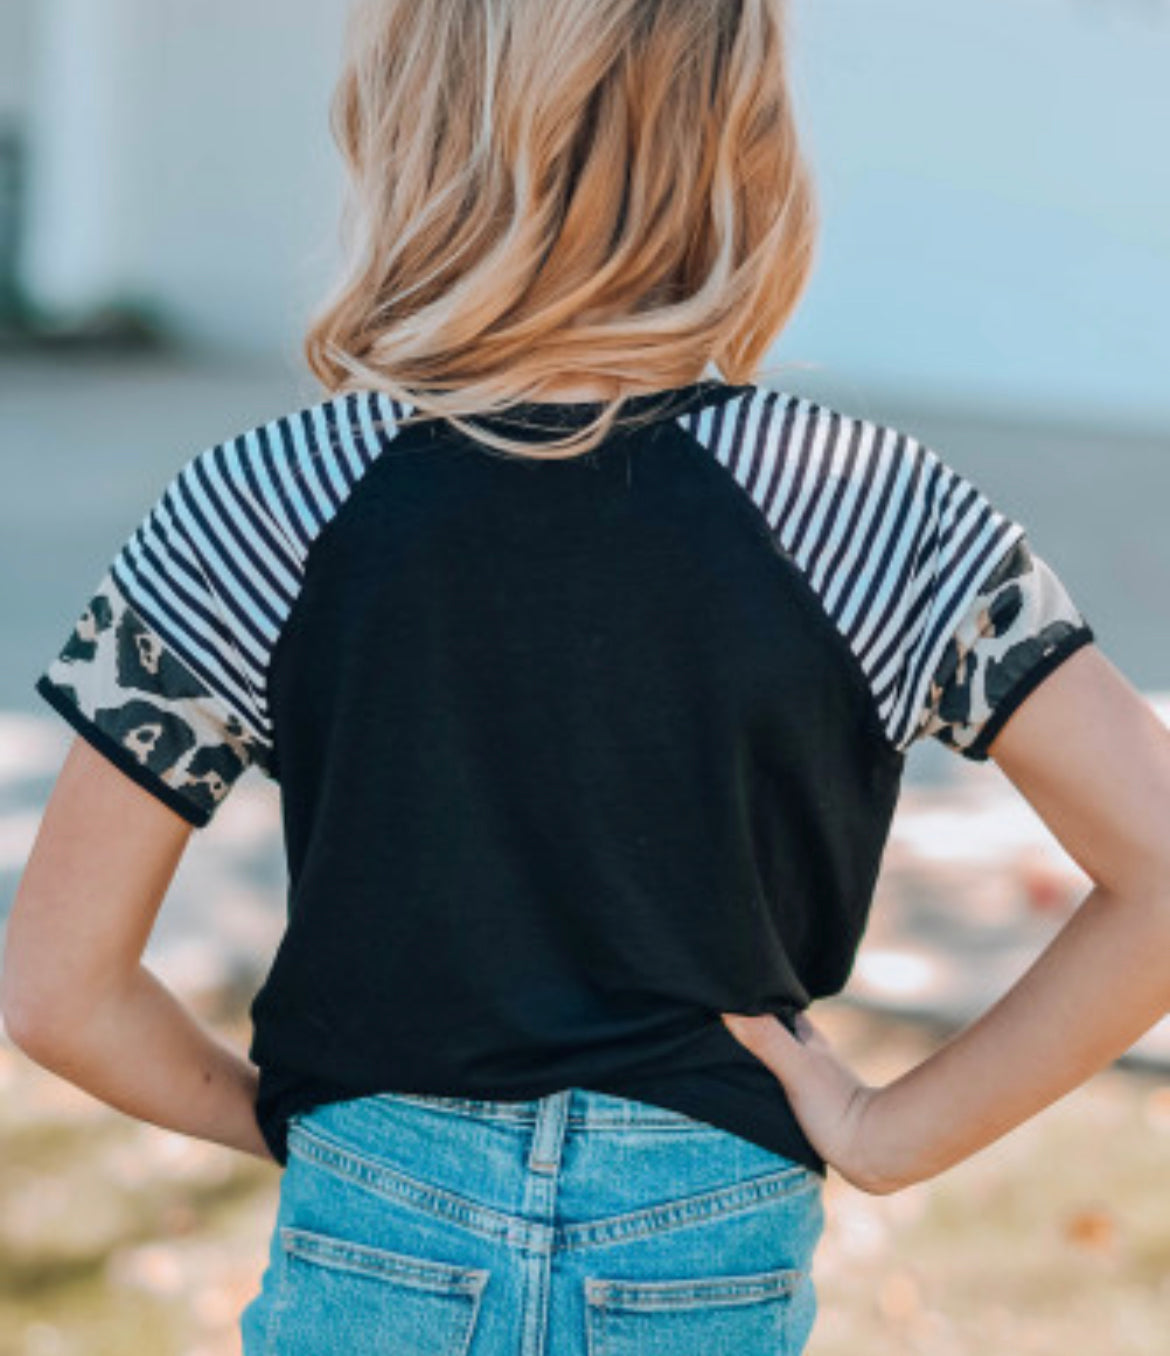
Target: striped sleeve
163, 672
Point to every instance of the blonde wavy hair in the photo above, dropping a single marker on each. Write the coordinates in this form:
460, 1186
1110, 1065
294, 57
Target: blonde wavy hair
611, 191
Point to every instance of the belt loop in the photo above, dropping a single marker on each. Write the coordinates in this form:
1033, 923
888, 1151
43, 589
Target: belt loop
552, 1116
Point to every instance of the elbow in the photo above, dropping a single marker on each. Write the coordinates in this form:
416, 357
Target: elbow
1144, 904
34, 1015
26, 1024
45, 1037
21, 1027
1147, 890
54, 978
51, 1011
1139, 876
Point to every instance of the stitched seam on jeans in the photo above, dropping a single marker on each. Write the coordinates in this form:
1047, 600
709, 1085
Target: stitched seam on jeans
702, 1208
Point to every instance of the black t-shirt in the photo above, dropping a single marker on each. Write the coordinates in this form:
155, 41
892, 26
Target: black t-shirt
573, 754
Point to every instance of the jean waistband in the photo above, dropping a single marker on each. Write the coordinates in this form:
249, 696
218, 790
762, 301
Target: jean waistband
574, 1108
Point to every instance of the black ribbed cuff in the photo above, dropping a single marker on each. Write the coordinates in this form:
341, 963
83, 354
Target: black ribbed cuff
120, 756
1072, 641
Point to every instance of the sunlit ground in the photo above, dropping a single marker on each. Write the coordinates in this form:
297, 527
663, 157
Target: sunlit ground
118, 1238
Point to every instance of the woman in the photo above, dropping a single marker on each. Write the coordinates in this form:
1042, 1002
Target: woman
588, 679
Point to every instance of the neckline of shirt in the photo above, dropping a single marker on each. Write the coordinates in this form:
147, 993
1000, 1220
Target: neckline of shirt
523, 418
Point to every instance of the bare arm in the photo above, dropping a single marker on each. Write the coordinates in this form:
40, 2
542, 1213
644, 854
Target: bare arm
75, 995
1093, 759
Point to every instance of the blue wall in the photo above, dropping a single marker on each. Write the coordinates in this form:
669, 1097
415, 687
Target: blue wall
995, 190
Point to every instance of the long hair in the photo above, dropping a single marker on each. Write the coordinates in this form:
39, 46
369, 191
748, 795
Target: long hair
552, 192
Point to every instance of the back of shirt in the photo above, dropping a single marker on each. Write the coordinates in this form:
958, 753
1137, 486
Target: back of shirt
573, 754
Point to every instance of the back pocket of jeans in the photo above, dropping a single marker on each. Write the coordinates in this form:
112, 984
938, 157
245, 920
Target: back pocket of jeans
728, 1315
338, 1295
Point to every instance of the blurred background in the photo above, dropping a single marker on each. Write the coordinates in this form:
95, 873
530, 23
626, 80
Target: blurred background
993, 277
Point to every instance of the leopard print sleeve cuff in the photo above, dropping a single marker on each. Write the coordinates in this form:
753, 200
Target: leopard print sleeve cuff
128, 693
1018, 628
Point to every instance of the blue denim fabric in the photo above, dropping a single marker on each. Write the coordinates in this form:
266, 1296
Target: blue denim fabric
575, 1224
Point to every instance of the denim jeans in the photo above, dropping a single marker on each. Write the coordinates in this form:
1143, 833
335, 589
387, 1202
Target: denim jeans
574, 1224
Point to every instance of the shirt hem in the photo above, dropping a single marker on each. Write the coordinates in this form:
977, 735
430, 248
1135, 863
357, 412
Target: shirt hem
745, 1100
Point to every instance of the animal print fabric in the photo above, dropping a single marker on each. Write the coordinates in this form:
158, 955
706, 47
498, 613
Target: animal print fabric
127, 692
1020, 625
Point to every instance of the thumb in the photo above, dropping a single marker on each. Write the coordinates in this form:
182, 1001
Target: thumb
766, 1036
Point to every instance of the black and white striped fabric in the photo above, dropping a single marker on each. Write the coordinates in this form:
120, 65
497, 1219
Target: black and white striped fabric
898, 547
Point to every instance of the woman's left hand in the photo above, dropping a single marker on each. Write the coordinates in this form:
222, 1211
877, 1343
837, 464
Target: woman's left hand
829, 1100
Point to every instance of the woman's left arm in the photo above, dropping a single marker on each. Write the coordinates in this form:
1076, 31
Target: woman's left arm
74, 993
1093, 759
